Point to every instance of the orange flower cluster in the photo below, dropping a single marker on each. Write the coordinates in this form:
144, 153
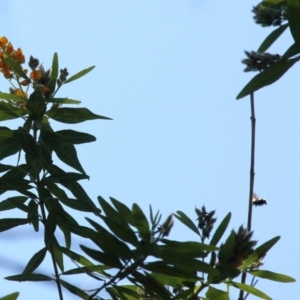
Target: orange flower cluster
7, 50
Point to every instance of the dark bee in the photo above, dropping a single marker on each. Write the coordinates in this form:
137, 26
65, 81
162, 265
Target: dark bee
256, 201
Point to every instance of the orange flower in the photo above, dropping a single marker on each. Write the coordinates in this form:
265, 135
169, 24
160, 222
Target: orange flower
35, 75
18, 56
21, 93
9, 48
3, 41
6, 72
24, 82
43, 88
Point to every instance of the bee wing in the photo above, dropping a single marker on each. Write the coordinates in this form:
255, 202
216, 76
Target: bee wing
255, 197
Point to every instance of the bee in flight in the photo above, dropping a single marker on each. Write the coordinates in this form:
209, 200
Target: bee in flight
257, 201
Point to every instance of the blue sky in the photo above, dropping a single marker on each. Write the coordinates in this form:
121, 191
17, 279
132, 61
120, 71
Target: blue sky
168, 72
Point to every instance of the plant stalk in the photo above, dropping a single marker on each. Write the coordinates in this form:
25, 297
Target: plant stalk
252, 174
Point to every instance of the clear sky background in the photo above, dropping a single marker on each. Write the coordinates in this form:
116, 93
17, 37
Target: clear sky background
167, 72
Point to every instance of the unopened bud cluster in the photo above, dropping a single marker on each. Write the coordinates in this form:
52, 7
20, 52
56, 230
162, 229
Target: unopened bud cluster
242, 247
205, 221
256, 61
269, 16
166, 227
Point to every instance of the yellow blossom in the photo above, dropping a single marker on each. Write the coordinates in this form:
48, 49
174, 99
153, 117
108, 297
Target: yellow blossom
3, 41
21, 93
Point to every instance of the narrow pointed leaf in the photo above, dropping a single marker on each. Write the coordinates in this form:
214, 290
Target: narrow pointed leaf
9, 112
259, 252
220, 230
12, 296
213, 293
77, 257
54, 73
266, 77
12, 202
27, 142
291, 51
149, 282
79, 74
183, 218
10, 97
72, 137
51, 221
141, 223
73, 115
29, 277
108, 259
35, 261
67, 235
58, 254
293, 14
188, 247
250, 289
74, 290
81, 270
271, 38
124, 233
63, 101
107, 241
4, 168
272, 276
6, 224
68, 154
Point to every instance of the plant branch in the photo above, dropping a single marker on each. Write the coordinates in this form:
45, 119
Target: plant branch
44, 218
252, 174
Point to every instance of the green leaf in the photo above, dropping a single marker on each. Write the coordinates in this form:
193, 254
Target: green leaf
51, 221
259, 252
16, 67
73, 115
9, 148
123, 211
272, 276
108, 259
12, 202
293, 14
72, 137
29, 277
35, 261
12, 296
76, 257
34, 214
67, 235
152, 284
220, 230
27, 142
141, 223
81, 270
73, 289
124, 233
54, 73
107, 241
63, 101
79, 74
9, 112
4, 168
226, 252
291, 51
58, 254
162, 267
10, 97
183, 218
36, 105
249, 289
6, 224
266, 77
213, 293
271, 38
